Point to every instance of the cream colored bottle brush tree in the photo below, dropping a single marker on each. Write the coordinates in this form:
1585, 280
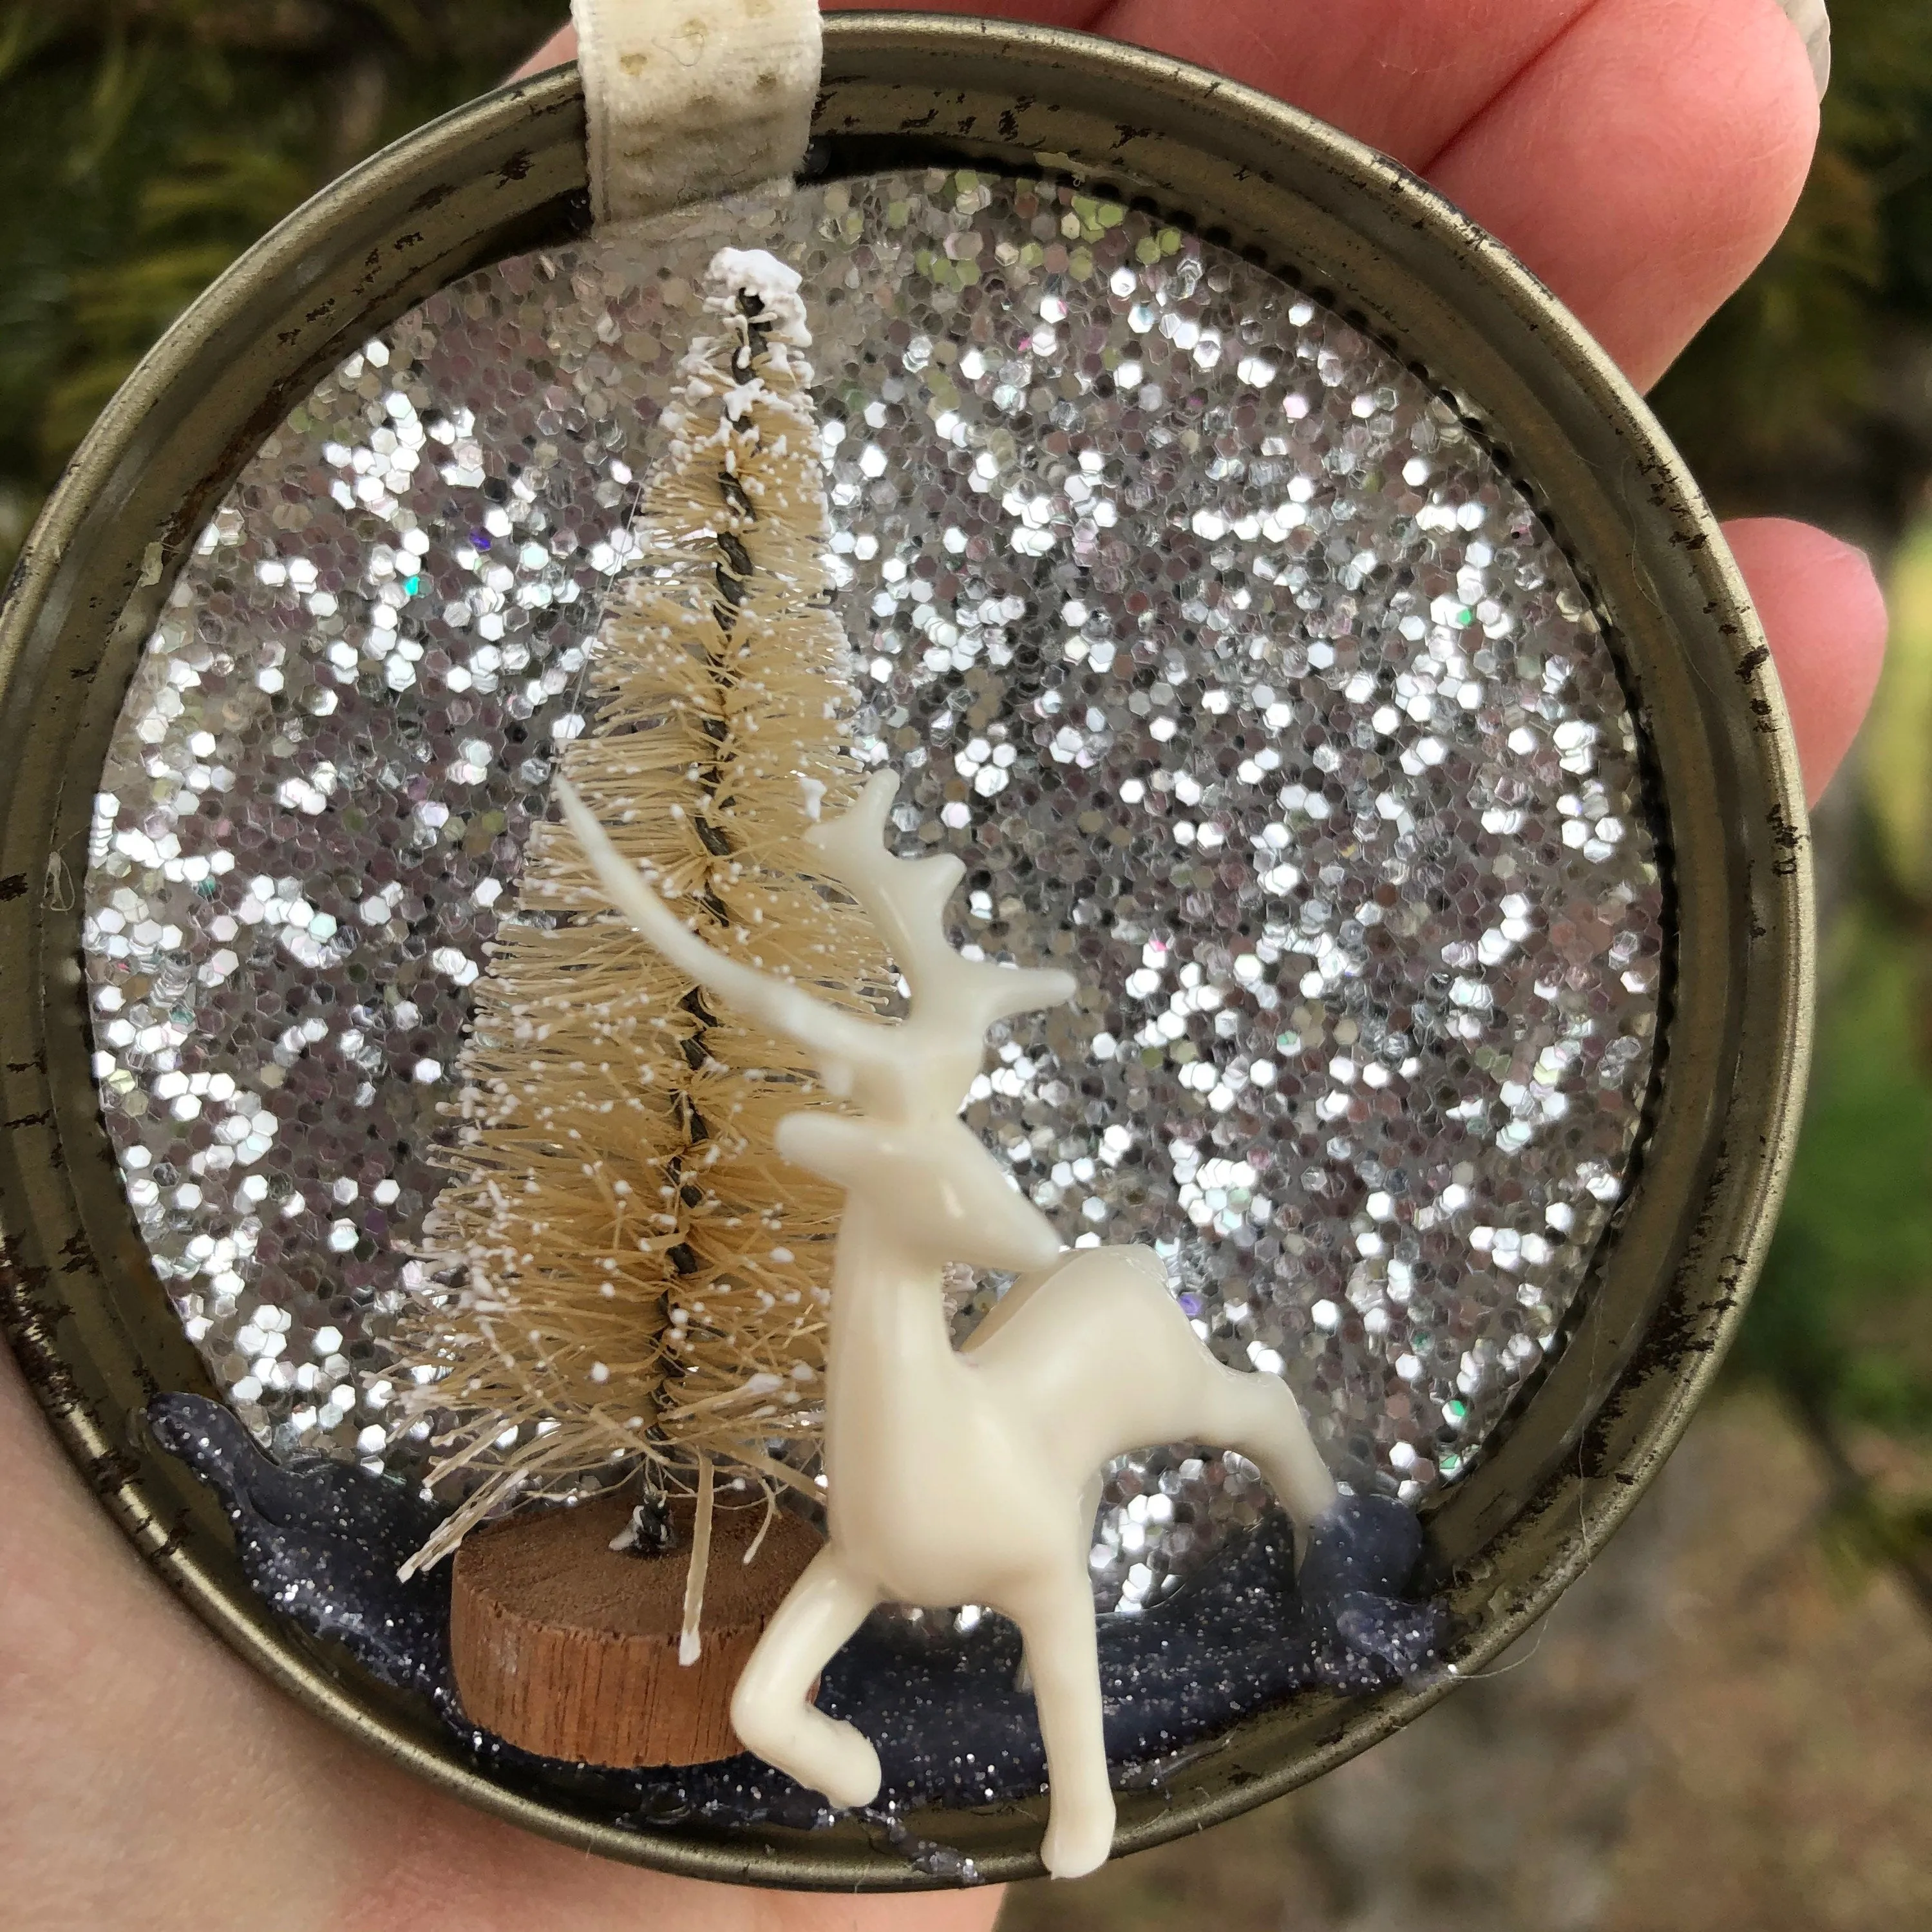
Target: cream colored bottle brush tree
628, 1276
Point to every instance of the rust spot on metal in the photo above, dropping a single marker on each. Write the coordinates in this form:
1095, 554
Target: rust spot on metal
164, 1551
1788, 839
112, 1470
28, 1324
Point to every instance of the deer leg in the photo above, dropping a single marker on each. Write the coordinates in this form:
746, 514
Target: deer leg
770, 1709
1256, 1414
1056, 1621
1090, 1508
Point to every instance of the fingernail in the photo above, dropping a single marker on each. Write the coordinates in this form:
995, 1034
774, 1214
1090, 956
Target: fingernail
1814, 29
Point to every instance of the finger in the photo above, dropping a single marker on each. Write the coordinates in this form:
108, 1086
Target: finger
1824, 618
1644, 163
561, 47
1641, 156
1405, 75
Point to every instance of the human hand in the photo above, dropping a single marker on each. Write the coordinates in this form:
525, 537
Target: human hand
1641, 155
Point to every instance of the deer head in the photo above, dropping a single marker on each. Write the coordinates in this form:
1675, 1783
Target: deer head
906, 1079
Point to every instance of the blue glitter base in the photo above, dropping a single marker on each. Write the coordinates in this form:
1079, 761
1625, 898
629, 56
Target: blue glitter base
322, 1541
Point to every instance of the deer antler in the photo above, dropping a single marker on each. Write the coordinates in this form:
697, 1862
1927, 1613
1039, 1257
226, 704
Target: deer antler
840, 1042
907, 899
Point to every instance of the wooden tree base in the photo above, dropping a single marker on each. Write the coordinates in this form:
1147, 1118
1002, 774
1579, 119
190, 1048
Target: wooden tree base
564, 1646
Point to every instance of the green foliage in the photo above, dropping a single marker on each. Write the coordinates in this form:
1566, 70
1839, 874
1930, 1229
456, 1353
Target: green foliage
1839, 1320
1895, 773
1864, 1532
149, 142
1842, 1321
1792, 361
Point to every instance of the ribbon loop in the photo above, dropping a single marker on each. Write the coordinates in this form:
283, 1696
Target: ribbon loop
686, 100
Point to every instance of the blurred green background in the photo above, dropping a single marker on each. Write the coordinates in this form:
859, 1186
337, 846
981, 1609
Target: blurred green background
148, 141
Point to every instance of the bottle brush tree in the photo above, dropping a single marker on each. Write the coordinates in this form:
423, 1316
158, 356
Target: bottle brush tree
625, 1274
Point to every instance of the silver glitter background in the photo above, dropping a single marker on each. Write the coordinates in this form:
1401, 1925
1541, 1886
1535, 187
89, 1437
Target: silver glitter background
1241, 679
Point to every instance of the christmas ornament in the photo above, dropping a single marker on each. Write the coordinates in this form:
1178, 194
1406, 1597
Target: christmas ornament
1308, 648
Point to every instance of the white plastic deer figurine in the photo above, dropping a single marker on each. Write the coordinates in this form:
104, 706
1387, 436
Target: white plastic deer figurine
965, 1476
